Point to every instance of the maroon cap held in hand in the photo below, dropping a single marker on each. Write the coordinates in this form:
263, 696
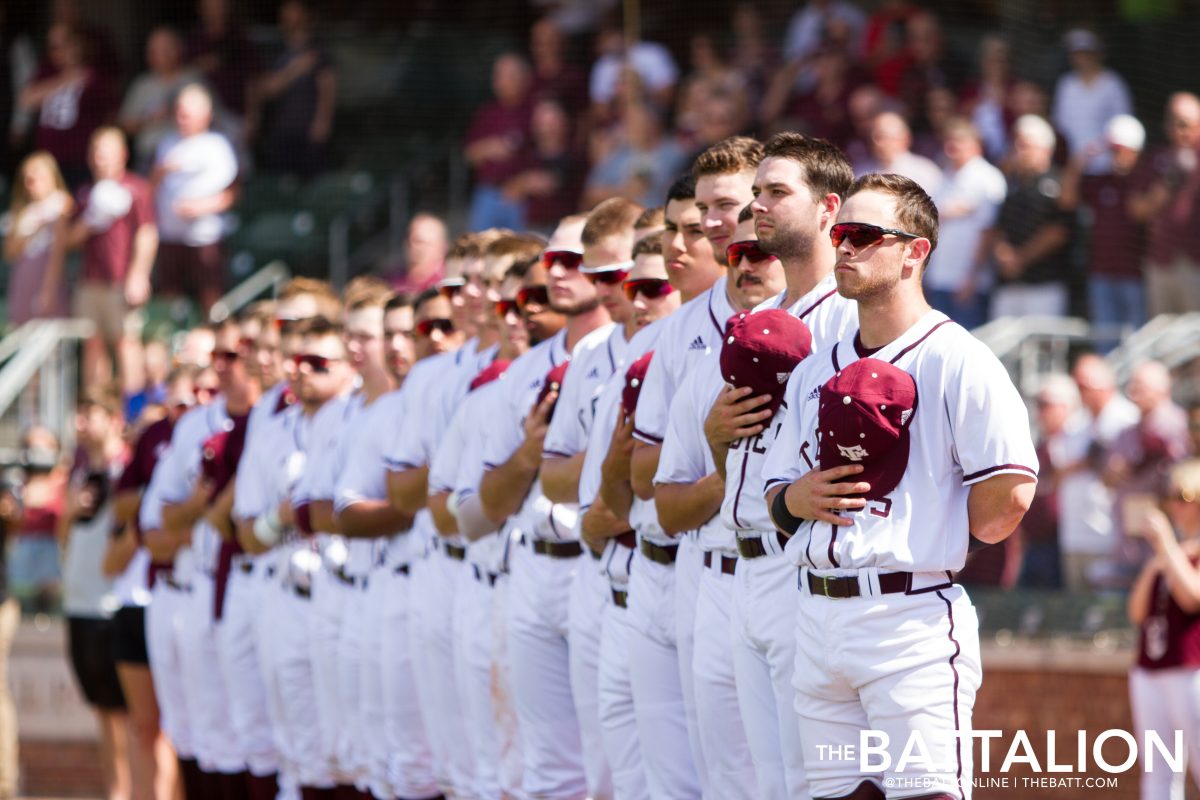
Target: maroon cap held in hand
761, 350
864, 417
490, 373
553, 383
635, 376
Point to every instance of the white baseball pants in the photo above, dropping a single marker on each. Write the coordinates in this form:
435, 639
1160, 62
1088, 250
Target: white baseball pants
618, 722
589, 592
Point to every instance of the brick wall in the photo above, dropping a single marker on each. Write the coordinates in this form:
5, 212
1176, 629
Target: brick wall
60, 769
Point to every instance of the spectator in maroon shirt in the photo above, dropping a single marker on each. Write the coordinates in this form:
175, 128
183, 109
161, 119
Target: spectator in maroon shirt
114, 225
425, 252
550, 172
72, 99
219, 50
1166, 197
553, 76
498, 133
1116, 292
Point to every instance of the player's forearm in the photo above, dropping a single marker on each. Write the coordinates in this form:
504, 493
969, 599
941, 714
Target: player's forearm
408, 489
219, 513
473, 523
686, 506
600, 524
503, 488
369, 519
321, 516
145, 247
125, 506
182, 515
119, 553
443, 520
996, 506
560, 478
1043, 243
642, 467
161, 544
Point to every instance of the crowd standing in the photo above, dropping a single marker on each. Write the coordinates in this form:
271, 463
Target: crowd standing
482, 537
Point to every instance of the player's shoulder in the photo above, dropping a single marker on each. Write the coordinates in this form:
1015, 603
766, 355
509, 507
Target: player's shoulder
645, 339
594, 340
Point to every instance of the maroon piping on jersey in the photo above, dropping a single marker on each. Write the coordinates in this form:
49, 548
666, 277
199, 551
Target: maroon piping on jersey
954, 669
990, 470
813, 307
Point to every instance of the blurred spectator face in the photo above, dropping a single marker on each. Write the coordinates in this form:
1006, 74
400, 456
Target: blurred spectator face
198, 345
549, 123
510, 80
541, 321
1053, 411
642, 127
993, 58
704, 55
1182, 499
722, 118
323, 371
545, 42
93, 425
214, 12
786, 217
157, 362
63, 47
436, 339
940, 106
37, 176
426, 240
193, 112
610, 42
1149, 387
399, 349
1030, 156
41, 439
651, 309
720, 199
756, 280
364, 337
961, 145
293, 18
1183, 121
570, 291
924, 38
611, 250
108, 155
890, 137
268, 355
163, 52
1026, 98
691, 265
865, 103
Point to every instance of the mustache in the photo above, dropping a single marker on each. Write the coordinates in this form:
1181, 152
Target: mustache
745, 279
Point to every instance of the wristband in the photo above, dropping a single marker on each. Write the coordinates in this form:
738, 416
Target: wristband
267, 528
452, 501
785, 520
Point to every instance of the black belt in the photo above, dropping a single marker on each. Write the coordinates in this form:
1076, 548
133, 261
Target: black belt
545, 547
718, 561
401, 569
659, 554
455, 552
302, 591
179, 587
840, 588
754, 548
343, 576
484, 577
620, 598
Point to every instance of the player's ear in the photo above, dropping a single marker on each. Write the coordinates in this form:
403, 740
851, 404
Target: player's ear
918, 251
831, 204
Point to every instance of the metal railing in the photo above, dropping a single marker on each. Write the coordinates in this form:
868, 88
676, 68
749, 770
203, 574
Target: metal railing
1031, 347
39, 378
267, 279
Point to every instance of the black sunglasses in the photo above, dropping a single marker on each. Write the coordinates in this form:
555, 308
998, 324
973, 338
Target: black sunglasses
426, 327
317, 364
863, 234
748, 250
650, 288
533, 295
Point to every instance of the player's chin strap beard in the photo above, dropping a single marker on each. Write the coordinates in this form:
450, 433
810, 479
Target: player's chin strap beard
576, 310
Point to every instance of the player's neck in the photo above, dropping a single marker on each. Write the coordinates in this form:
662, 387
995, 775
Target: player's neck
488, 337
580, 325
629, 329
241, 399
685, 297
375, 383
883, 321
802, 276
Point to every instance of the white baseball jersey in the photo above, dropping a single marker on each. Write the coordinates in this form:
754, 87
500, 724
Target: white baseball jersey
591, 366
176, 475
970, 424
267, 433
689, 335
830, 318
517, 391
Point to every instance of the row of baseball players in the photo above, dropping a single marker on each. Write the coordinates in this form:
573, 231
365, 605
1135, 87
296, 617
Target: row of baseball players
652, 515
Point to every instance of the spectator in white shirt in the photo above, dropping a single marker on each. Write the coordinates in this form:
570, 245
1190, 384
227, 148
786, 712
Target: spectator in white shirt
653, 64
891, 143
972, 190
194, 174
1086, 98
146, 110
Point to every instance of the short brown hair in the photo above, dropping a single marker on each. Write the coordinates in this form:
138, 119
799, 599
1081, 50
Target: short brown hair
650, 246
611, 217
729, 156
517, 245
651, 218
366, 291
104, 398
319, 326
262, 312
826, 168
915, 211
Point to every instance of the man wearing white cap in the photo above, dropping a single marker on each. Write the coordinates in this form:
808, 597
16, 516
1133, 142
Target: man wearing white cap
1086, 98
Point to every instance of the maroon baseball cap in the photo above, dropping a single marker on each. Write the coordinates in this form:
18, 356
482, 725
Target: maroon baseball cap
635, 376
864, 417
490, 373
553, 383
761, 350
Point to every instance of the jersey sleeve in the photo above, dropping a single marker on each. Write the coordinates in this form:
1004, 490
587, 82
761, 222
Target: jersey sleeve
686, 456
362, 475
443, 470
793, 453
150, 510
250, 488
567, 434
654, 401
407, 449
502, 438
175, 472
988, 419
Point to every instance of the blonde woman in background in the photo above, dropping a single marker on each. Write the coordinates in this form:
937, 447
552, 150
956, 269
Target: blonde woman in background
40, 202
1165, 603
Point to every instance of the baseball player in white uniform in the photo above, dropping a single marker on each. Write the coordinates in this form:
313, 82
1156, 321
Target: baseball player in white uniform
543, 564
607, 259
900, 444
797, 190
